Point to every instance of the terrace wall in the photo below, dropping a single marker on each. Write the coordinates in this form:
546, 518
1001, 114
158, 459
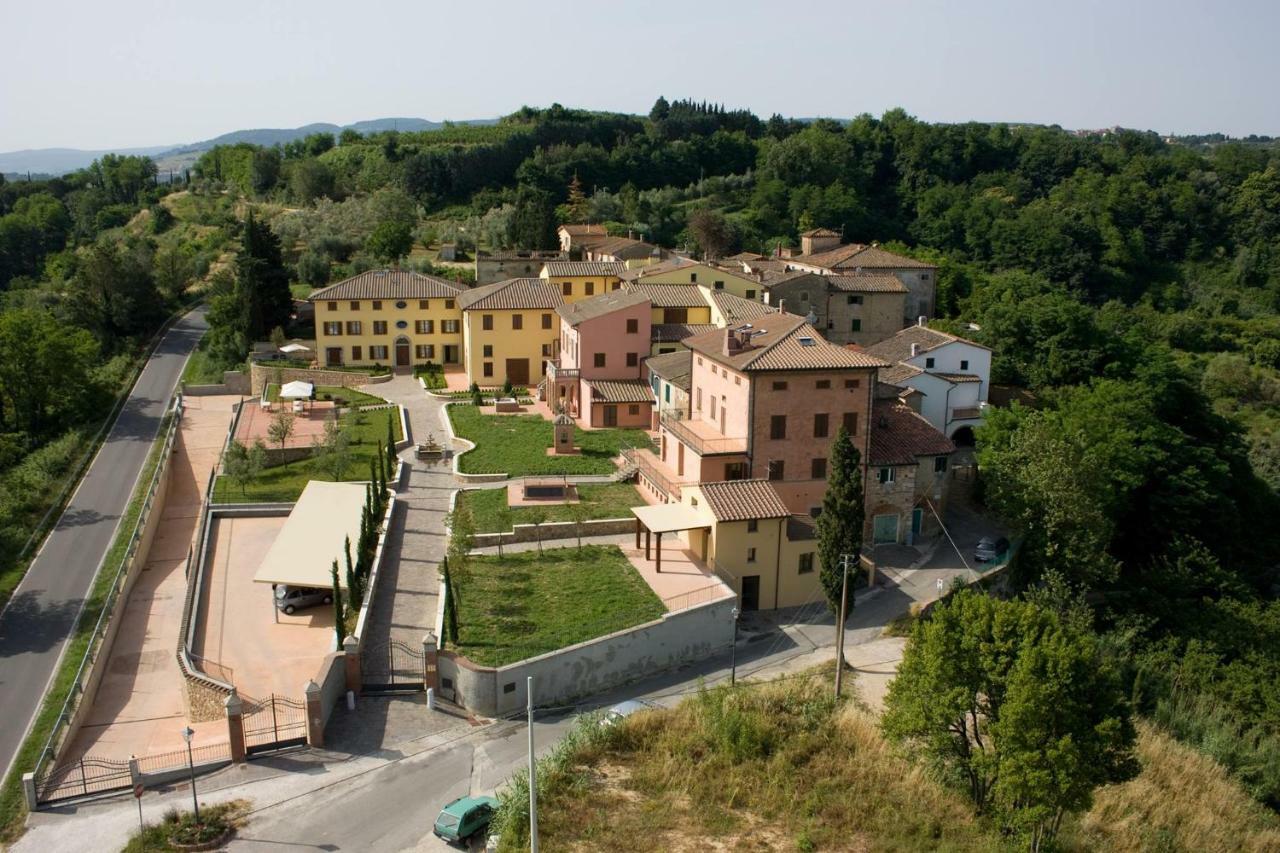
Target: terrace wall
593, 666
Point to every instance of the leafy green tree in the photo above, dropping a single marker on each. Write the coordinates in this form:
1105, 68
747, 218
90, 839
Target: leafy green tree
534, 222
390, 241
262, 282
114, 294
46, 372
712, 231
280, 427
331, 451
840, 524
1016, 705
241, 465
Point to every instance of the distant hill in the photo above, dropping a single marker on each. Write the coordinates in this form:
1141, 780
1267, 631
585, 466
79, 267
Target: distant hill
59, 161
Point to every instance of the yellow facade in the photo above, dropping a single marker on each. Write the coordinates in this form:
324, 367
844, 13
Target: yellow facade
690, 315
395, 332
707, 276
786, 577
503, 347
575, 287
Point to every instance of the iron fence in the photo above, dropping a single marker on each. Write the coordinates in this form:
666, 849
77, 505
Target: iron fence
212, 753
82, 777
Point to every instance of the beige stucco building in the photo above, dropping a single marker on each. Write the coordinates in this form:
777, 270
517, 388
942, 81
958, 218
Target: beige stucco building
849, 309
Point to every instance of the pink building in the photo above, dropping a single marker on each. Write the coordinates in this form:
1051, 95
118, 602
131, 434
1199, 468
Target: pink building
765, 401
598, 378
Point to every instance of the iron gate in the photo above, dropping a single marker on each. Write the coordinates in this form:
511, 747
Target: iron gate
83, 777
275, 722
393, 667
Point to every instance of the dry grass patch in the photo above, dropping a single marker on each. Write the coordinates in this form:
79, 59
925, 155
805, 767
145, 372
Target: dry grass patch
1182, 800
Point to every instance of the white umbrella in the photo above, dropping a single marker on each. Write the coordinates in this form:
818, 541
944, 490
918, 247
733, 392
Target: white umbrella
292, 348
297, 390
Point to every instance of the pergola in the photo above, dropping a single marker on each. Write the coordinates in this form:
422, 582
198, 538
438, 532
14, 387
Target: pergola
665, 518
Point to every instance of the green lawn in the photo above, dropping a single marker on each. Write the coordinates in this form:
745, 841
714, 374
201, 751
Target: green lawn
432, 376
284, 483
599, 500
527, 604
517, 444
341, 396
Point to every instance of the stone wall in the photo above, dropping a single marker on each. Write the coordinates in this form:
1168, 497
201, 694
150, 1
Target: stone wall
591, 667
205, 703
263, 374
557, 530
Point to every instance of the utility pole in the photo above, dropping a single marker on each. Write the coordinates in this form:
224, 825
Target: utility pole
533, 775
733, 651
844, 612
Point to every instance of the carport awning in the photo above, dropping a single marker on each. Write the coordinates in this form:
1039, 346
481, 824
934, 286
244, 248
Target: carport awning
313, 536
670, 518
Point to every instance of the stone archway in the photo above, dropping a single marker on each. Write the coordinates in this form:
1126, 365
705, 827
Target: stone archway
963, 437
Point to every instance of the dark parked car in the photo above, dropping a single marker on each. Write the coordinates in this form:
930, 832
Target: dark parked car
464, 819
990, 548
291, 598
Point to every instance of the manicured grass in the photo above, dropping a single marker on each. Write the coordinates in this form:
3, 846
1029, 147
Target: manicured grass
527, 604
517, 445
340, 395
284, 483
598, 500
432, 376
13, 805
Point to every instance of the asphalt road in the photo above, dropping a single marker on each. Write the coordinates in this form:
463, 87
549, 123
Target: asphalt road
38, 620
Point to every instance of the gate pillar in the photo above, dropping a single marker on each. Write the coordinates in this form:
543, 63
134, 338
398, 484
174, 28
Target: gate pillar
315, 716
235, 727
351, 649
430, 652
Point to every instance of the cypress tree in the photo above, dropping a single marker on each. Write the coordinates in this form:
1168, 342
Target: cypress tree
843, 515
450, 603
338, 627
391, 446
355, 591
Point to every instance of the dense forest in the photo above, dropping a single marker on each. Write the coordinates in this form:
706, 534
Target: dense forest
1129, 287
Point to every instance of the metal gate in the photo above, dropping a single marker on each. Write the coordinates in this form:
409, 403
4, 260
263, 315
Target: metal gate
393, 667
275, 722
81, 778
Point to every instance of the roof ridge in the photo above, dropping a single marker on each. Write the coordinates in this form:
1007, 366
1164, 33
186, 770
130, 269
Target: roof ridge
767, 348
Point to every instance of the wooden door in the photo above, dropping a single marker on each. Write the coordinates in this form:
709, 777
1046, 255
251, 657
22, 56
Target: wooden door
333, 356
518, 371
402, 355
611, 416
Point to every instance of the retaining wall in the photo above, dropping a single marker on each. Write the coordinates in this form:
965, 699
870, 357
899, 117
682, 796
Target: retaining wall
263, 374
233, 382
557, 530
593, 666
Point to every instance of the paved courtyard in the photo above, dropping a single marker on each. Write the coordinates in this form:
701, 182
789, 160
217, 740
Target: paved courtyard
238, 625
308, 424
138, 709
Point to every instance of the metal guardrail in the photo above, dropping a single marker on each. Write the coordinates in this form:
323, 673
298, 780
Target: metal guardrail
654, 475
76, 693
694, 597
678, 426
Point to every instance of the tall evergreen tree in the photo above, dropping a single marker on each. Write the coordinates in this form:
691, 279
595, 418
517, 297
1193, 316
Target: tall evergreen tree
450, 604
391, 446
262, 281
843, 515
339, 628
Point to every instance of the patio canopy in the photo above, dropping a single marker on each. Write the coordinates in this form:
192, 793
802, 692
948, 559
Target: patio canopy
671, 518
312, 538
297, 390
294, 348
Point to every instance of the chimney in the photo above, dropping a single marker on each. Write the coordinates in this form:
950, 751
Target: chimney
732, 346
915, 350
782, 306
922, 320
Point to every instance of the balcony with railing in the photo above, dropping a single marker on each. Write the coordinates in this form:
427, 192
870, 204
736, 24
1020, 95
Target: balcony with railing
965, 413
700, 436
651, 468
563, 374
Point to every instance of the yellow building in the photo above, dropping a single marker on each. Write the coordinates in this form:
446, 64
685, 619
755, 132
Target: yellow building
583, 279
676, 303
685, 271
389, 317
510, 331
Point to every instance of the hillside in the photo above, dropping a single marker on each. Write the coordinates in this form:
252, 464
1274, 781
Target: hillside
780, 766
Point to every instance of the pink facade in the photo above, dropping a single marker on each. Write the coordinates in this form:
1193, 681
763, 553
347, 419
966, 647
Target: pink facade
609, 347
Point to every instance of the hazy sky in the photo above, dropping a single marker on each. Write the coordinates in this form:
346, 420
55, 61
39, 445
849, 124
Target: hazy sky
87, 74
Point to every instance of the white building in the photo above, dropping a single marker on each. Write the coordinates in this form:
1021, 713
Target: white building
952, 374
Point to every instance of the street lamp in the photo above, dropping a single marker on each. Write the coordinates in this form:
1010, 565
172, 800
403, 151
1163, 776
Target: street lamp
733, 651
187, 734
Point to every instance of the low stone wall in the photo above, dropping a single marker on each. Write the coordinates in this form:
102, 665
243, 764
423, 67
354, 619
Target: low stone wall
233, 382
591, 667
557, 530
263, 374
378, 556
332, 679
205, 703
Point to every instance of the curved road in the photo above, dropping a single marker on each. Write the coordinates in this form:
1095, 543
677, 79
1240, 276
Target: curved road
38, 621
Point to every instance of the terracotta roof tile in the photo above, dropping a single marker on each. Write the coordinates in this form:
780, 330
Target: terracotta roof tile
675, 367
388, 284
866, 283
621, 390
581, 230
514, 293
736, 309
671, 295
899, 435
782, 342
666, 333
600, 306
854, 255
740, 500
582, 268
898, 347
